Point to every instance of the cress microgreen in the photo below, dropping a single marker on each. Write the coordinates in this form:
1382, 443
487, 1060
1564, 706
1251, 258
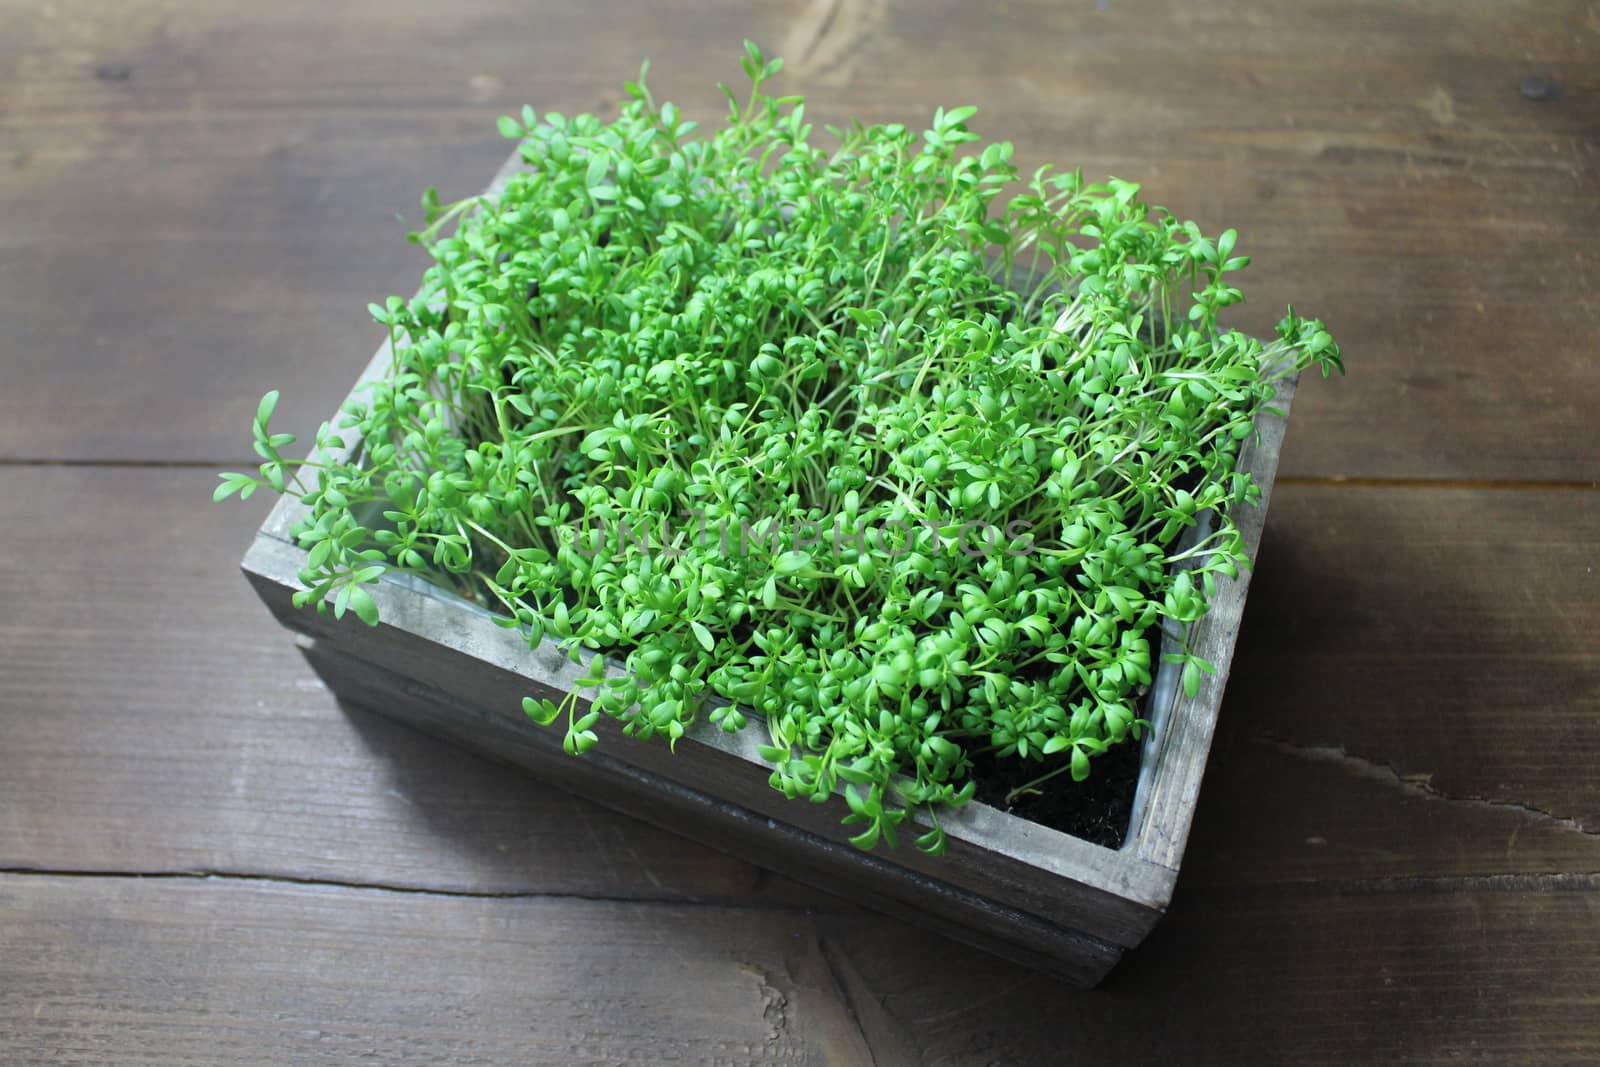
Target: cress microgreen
651, 328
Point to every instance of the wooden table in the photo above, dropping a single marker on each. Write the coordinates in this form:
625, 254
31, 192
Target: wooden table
206, 860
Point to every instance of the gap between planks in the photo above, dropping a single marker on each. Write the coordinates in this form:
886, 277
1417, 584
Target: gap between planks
1339, 480
1421, 885
1403, 885
153, 464
297, 881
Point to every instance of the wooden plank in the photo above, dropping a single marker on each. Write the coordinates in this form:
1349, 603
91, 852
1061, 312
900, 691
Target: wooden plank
189, 971
1445, 637
1182, 727
1382, 163
1414, 693
1352, 975
224, 180
154, 718
195, 971
1269, 815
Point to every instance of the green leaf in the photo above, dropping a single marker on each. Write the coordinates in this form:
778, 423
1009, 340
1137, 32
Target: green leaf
791, 563
319, 555
231, 483
543, 712
362, 603
858, 772
264, 410
703, 635
577, 742
509, 127
856, 803
959, 115
867, 840
1191, 679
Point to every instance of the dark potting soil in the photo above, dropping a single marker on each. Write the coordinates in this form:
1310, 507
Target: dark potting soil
1096, 809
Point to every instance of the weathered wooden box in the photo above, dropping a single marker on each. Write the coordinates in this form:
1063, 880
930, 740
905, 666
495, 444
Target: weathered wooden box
1016, 888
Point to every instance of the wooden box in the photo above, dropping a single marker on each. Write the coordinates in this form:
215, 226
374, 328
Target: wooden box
1016, 888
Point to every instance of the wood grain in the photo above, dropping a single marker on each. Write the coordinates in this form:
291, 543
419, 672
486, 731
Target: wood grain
154, 718
1384, 166
213, 971
1272, 976
1437, 646
192, 185
1416, 691
195, 971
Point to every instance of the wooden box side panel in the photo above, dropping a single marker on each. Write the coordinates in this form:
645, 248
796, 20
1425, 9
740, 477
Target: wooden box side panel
867, 879
1175, 761
451, 646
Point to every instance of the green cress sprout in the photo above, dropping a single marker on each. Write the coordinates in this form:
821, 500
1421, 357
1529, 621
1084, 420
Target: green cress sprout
639, 380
